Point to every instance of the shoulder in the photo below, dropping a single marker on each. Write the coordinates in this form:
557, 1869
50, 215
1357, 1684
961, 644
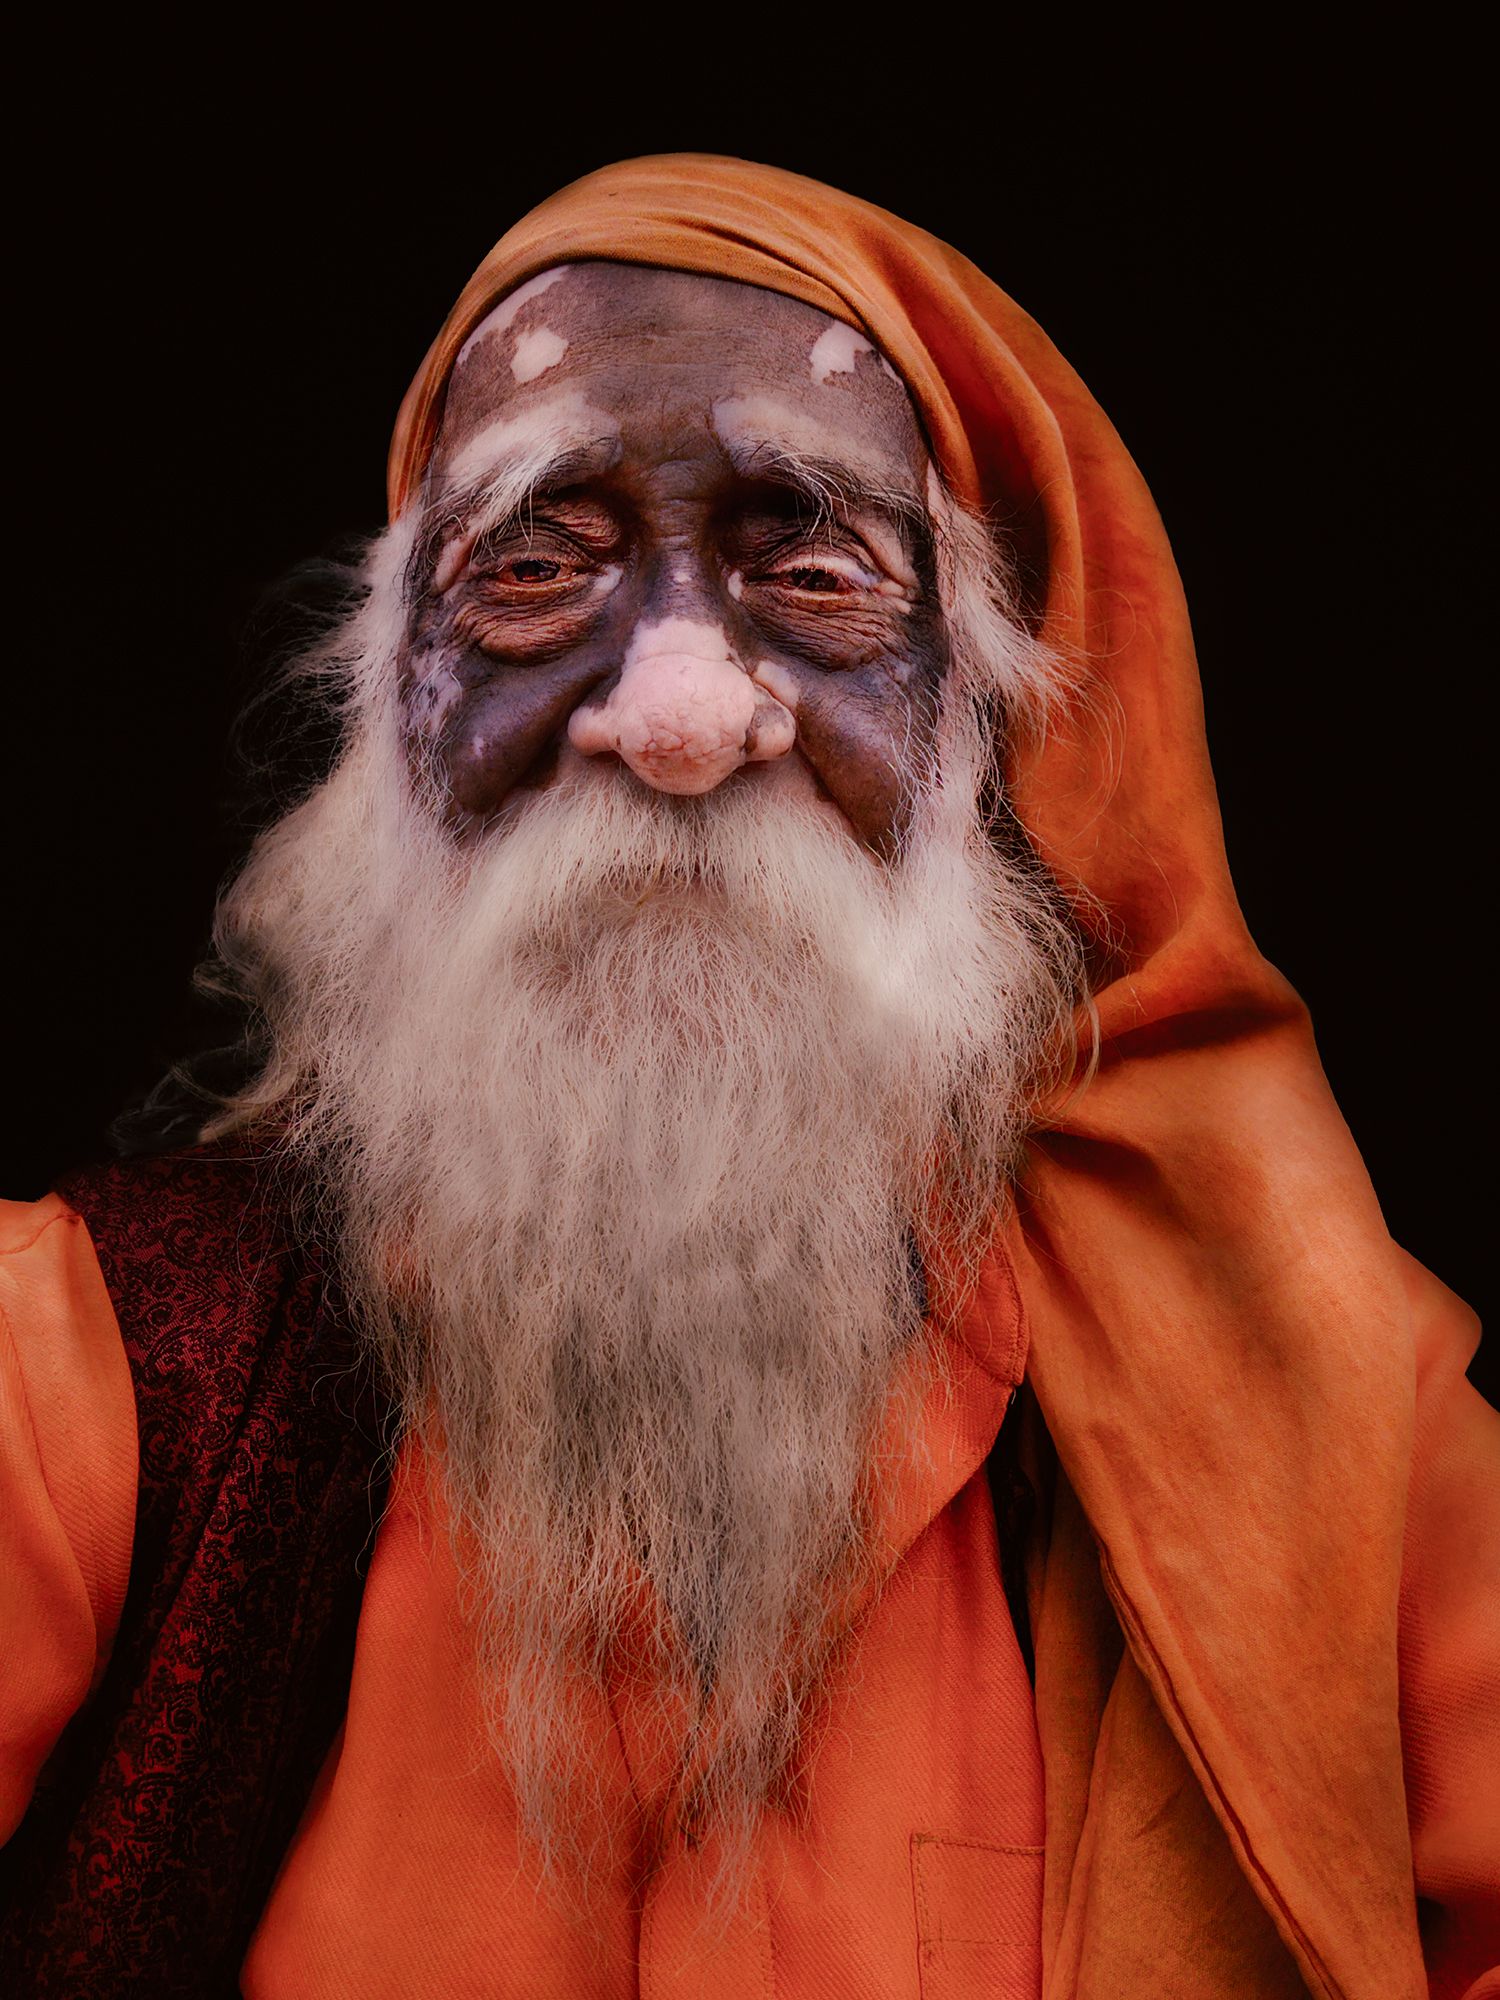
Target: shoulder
179, 1211
67, 1387
195, 1247
67, 1483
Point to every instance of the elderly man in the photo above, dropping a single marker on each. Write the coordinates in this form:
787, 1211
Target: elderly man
782, 1378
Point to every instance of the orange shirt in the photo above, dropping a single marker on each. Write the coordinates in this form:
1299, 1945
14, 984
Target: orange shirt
912, 1864
920, 1844
957, 1838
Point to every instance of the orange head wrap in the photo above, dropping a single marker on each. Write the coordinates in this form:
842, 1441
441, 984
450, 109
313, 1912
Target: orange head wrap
1220, 1341
1015, 433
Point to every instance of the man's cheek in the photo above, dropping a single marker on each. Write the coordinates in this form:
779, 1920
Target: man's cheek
868, 737
483, 729
435, 677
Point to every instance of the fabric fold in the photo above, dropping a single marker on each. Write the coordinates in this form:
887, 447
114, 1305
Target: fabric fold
1221, 1350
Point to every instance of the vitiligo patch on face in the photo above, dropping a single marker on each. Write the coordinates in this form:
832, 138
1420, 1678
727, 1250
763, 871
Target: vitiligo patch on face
760, 427
837, 351
678, 638
509, 309
536, 352
778, 681
563, 418
434, 691
506, 437
746, 424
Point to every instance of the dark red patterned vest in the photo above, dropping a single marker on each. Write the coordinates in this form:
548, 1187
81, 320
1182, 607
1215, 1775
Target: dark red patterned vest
159, 1822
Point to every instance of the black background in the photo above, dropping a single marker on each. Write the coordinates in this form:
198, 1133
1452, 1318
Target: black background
1264, 258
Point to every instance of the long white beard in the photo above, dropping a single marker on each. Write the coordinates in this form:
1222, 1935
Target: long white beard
624, 1118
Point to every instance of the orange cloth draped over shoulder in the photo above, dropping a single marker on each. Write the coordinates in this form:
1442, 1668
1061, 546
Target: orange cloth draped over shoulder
1231, 1358
67, 1484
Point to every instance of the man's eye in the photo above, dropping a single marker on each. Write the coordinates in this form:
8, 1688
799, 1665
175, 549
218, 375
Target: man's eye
831, 576
529, 569
530, 577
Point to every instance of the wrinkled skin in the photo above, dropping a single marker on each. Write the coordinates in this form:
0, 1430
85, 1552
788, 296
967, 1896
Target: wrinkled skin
671, 599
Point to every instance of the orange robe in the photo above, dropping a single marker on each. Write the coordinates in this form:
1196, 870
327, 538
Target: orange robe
1257, 1407
951, 1838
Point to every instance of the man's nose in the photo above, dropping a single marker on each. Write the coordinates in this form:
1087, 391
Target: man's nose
684, 713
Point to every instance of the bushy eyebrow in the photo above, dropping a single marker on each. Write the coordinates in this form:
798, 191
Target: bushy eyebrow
501, 496
832, 490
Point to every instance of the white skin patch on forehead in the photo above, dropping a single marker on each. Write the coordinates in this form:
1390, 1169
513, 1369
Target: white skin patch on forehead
742, 420
763, 426
836, 351
546, 425
504, 314
536, 352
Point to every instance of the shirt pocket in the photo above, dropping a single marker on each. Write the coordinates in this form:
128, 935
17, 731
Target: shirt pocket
979, 1919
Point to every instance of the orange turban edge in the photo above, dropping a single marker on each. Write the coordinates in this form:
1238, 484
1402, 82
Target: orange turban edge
1221, 1339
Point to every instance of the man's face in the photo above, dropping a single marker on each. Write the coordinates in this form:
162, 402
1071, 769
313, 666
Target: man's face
682, 527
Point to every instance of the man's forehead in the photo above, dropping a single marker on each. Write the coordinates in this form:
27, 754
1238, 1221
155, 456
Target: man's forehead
606, 346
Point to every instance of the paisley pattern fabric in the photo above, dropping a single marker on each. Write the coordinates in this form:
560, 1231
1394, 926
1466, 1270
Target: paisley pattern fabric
160, 1820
